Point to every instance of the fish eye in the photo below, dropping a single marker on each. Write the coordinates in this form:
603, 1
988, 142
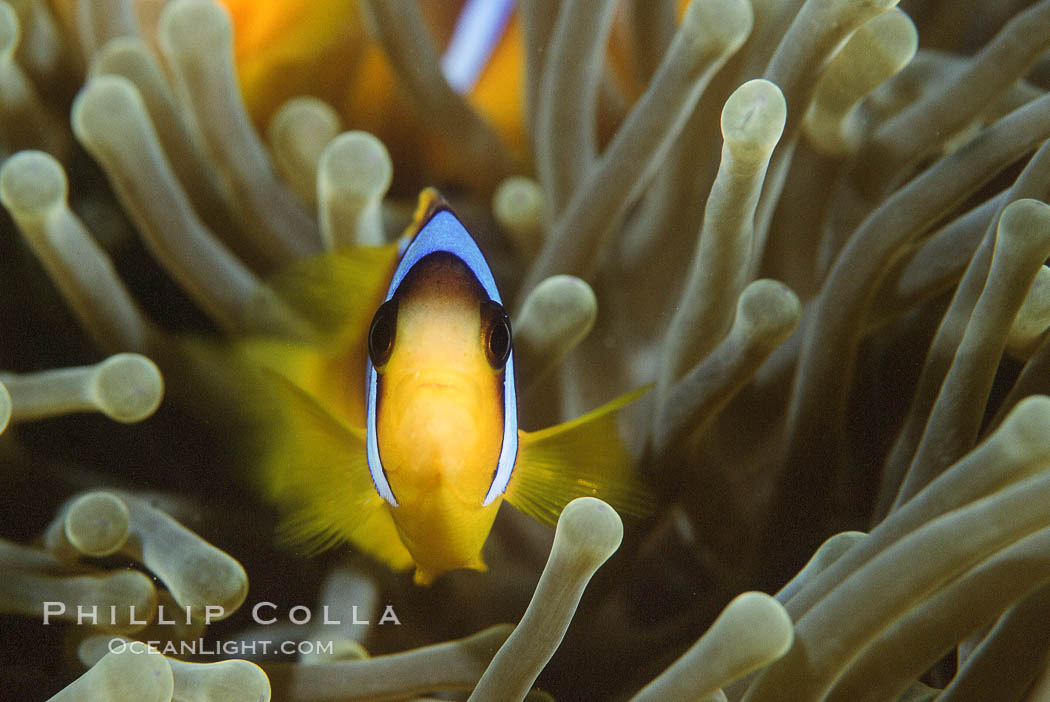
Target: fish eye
495, 325
381, 333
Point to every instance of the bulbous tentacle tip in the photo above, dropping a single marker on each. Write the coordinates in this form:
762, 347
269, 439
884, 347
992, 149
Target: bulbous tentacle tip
10, 32
195, 22
137, 673
769, 309
590, 528
753, 119
717, 26
127, 387
32, 184
97, 523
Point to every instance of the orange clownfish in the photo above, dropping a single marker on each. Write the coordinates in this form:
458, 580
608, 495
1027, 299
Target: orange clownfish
420, 480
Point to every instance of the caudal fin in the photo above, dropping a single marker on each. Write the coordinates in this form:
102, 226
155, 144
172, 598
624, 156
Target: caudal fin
584, 457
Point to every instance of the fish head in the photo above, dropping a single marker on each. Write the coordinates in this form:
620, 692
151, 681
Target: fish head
439, 350
441, 413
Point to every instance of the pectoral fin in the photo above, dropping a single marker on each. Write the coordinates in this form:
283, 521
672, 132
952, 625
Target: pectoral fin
315, 469
582, 457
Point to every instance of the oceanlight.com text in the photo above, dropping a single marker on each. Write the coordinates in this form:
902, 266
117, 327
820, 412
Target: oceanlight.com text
238, 649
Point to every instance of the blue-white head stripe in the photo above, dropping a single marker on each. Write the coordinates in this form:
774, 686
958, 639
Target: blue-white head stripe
445, 233
375, 466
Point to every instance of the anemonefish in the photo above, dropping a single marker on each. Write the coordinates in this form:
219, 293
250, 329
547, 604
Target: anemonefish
288, 48
411, 463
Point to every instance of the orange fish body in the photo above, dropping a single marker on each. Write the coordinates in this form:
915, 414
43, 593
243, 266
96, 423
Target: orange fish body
440, 417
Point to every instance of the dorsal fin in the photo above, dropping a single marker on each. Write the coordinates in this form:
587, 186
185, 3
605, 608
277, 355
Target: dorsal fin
430, 202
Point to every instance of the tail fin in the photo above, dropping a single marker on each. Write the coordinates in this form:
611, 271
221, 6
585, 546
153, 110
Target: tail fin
582, 457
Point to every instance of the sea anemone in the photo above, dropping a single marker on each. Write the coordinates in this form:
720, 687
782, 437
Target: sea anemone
817, 228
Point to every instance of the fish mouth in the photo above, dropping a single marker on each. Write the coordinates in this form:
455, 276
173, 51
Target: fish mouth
451, 383
436, 384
